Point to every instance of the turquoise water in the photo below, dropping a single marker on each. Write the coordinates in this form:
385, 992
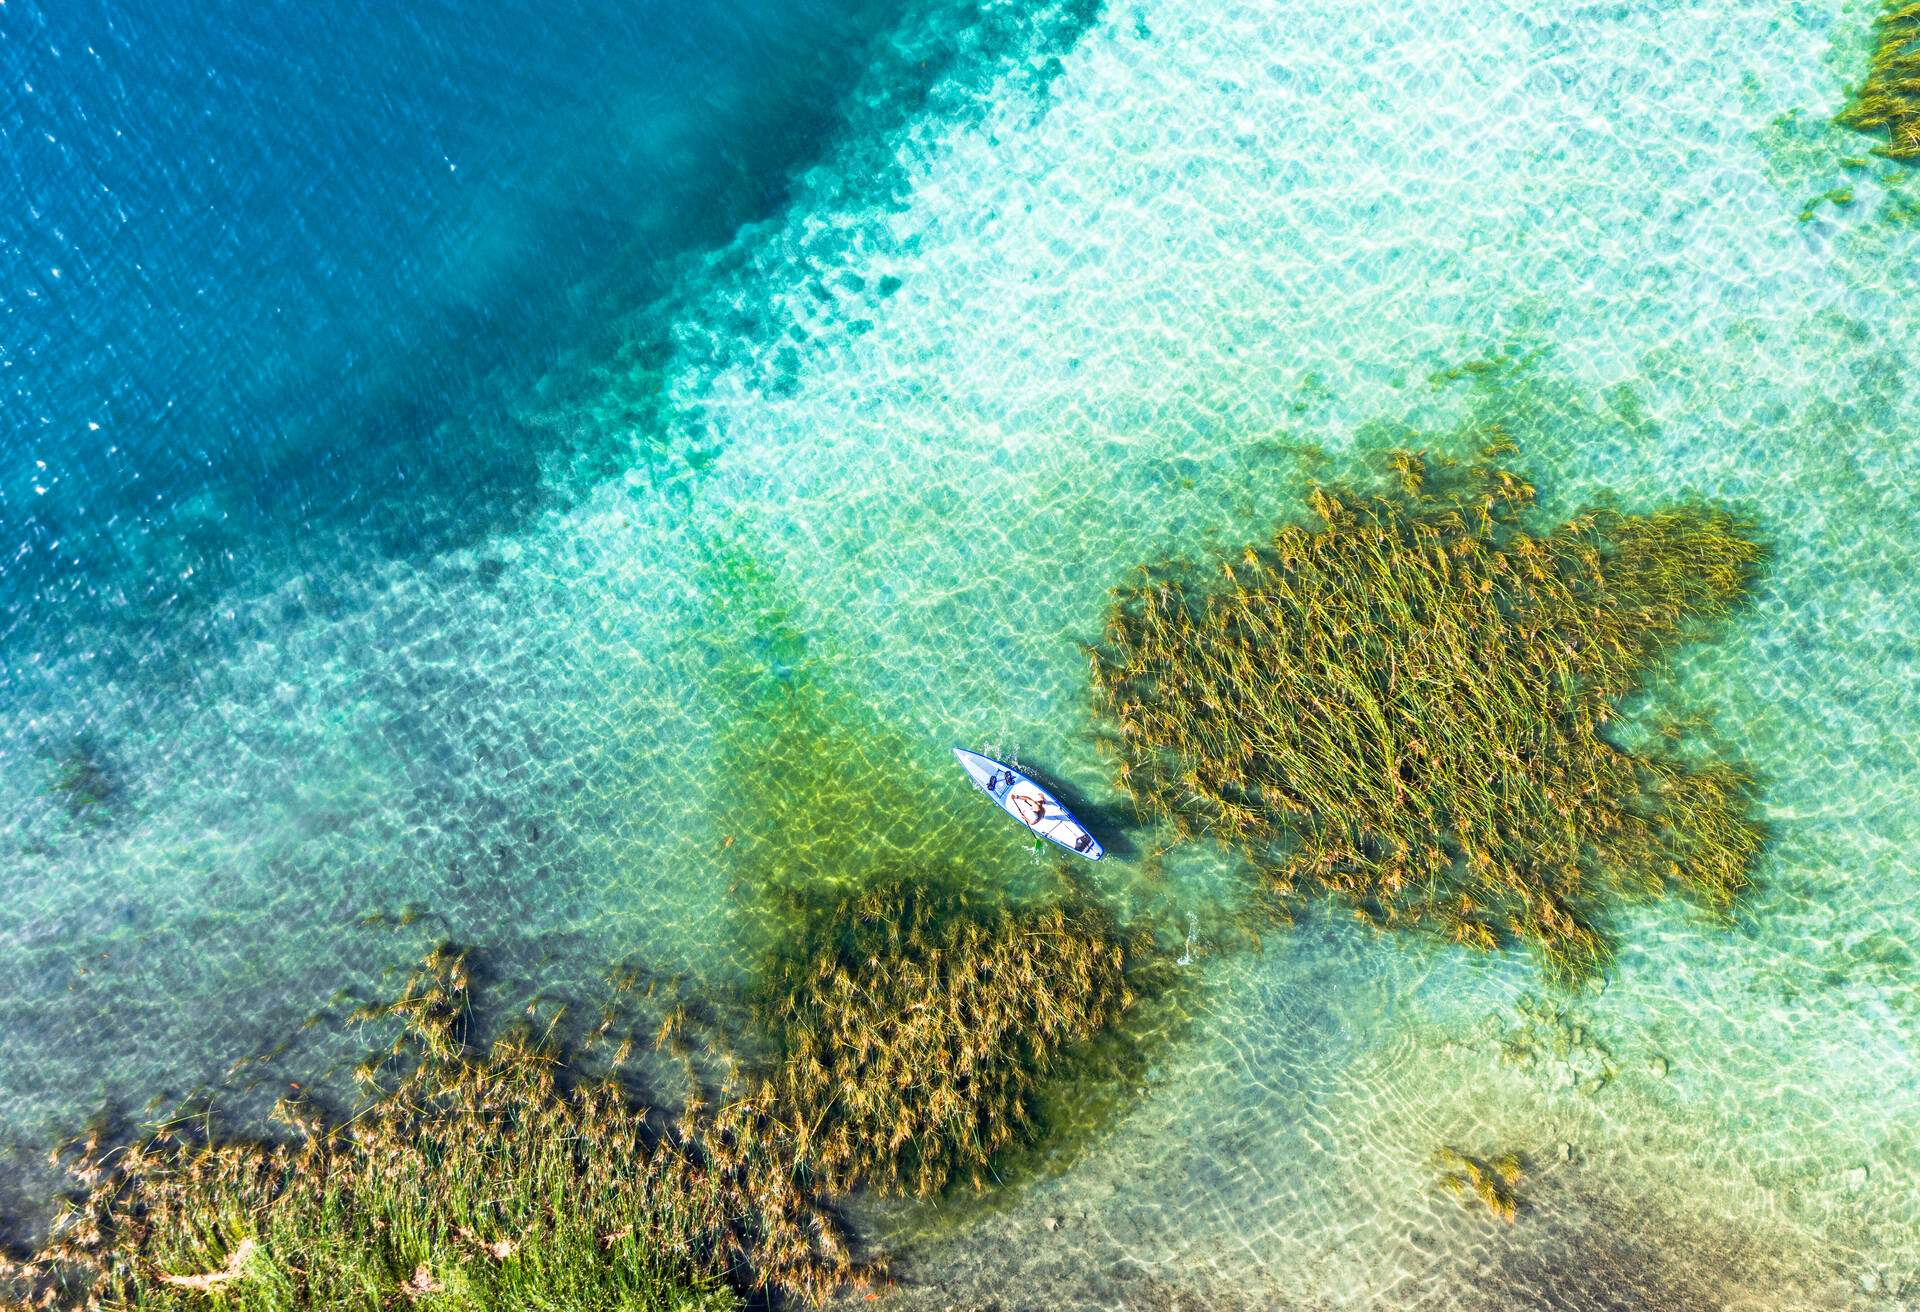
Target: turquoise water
849, 484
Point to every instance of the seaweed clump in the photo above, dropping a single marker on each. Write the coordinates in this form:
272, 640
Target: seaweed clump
471, 1179
84, 781
1889, 101
1404, 706
1495, 1181
915, 1031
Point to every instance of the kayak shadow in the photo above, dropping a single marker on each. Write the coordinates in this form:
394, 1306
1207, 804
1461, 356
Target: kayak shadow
1111, 823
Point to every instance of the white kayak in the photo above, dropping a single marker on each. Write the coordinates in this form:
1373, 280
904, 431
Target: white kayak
1029, 803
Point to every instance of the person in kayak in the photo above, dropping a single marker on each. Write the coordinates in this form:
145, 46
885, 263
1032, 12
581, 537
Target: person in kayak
1023, 803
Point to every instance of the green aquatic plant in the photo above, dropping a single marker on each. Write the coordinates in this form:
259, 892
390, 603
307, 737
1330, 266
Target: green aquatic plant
913, 1021
1889, 100
1405, 705
83, 780
913, 1033
470, 1179
1494, 1181
825, 798
1838, 196
915, 1030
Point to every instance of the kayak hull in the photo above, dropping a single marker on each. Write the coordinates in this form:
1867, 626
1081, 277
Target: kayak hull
1028, 802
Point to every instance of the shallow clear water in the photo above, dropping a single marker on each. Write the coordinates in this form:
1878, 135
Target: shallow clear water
732, 534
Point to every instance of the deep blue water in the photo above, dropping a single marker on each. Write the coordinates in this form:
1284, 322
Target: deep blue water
271, 276
292, 295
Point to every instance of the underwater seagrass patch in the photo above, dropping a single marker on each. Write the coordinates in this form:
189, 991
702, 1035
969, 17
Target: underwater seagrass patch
472, 1178
1405, 706
1495, 1181
1889, 100
915, 1030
